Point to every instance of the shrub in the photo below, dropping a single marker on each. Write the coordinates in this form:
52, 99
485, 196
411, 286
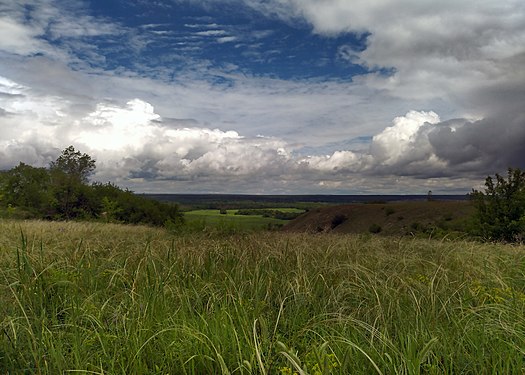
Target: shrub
500, 208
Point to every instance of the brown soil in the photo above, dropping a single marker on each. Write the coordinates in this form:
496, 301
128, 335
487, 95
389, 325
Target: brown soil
394, 218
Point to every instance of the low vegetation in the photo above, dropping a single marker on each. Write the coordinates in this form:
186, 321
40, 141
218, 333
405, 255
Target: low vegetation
105, 298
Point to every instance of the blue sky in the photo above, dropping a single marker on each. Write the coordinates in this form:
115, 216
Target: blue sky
228, 37
267, 96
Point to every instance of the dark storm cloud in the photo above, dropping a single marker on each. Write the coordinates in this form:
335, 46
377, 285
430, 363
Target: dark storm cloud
488, 145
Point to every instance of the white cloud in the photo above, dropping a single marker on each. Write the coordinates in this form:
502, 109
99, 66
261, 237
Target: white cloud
338, 161
29, 27
211, 33
10, 87
437, 49
400, 141
18, 38
113, 128
463, 60
226, 39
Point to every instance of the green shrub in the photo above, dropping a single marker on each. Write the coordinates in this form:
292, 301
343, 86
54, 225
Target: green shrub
501, 207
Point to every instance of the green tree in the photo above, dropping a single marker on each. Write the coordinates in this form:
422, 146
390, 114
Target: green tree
74, 164
69, 175
27, 187
500, 208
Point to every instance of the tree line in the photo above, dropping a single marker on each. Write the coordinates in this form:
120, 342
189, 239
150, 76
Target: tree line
62, 192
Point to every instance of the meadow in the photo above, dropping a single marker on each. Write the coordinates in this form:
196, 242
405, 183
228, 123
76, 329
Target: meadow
93, 298
229, 220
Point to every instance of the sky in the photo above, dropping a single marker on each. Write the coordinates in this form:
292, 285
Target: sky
267, 96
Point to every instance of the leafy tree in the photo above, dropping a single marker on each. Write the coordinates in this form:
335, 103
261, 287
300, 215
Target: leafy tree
74, 164
28, 187
501, 207
69, 175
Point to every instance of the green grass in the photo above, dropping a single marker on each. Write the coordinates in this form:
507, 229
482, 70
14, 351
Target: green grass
232, 222
108, 299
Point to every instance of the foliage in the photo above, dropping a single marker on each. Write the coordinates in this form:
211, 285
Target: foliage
389, 211
62, 192
110, 299
29, 187
501, 207
74, 164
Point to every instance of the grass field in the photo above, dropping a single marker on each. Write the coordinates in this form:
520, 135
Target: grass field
94, 298
214, 219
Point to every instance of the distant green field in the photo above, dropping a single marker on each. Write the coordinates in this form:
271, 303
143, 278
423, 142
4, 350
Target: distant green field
214, 218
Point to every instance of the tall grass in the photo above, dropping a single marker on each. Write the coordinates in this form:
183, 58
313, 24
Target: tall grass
108, 299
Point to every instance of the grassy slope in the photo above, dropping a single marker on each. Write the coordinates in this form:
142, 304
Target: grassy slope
395, 218
118, 300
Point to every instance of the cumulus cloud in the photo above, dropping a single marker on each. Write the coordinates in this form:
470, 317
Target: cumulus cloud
136, 147
337, 162
131, 141
419, 144
464, 58
466, 72
401, 141
491, 144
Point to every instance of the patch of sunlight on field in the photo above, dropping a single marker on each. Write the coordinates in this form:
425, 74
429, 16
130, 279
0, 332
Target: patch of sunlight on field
214, 218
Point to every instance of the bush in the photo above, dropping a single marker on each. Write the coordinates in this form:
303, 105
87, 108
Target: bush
500, 209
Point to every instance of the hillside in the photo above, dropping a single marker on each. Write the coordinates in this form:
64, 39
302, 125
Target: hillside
394, 218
